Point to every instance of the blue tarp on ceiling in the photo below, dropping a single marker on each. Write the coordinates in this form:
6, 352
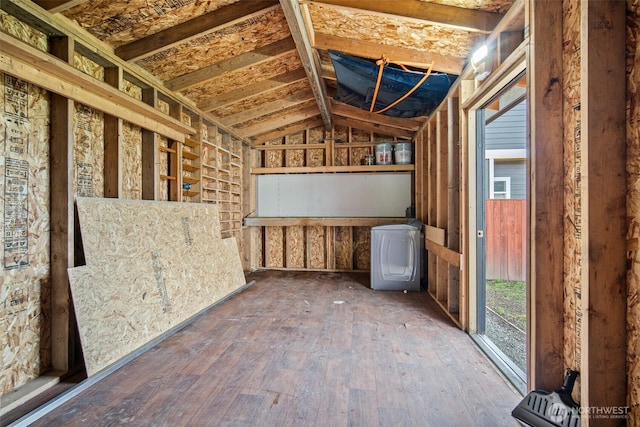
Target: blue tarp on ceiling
357, 81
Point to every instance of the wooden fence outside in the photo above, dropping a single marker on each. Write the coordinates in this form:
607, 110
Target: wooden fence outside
506, 239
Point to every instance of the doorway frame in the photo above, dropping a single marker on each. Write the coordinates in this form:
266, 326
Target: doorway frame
482, 96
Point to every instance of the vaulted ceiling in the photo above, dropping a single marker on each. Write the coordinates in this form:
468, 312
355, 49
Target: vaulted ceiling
261, 67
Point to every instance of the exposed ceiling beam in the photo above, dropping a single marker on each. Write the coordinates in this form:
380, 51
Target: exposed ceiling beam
348, 111
203, 75
55, 6
426, 12
312, 123
374, 127
283, 119
197, 27
293, 14
254, 89
268, 108
442, 63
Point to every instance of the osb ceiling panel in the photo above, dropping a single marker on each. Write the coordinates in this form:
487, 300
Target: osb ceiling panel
243, 76
498, 6
256, 101
174, 39
120, 22
218, 46
387, 30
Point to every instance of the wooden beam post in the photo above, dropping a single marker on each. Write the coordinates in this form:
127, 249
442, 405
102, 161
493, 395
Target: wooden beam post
546, 292
150, 152
62, 215
113, 141
453, 211
604, 294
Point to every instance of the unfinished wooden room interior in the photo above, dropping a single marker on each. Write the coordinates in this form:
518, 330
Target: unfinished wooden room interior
319, 212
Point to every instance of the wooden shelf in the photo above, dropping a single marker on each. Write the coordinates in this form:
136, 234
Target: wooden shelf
190, 193
191, 143
324, 221
186, 154
190, 179
190, 168
333, 169
169, 177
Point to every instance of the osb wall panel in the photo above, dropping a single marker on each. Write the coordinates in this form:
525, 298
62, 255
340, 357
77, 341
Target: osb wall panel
132, 90
358, 135
242, 37
633, 209
295, 157
573, 187
274, 158
22, 31
88, 133
131, 161
358, 155
341, 156
343, 248
144, 272
317, 247
362, 247
87, 66
163, 169
359, 25
274, 239
24, 206
119, 23
295, 246
316, 157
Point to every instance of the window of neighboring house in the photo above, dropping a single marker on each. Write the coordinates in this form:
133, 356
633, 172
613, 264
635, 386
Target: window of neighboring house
501, 188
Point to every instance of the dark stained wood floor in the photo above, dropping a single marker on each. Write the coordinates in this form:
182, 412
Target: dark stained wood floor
305, 349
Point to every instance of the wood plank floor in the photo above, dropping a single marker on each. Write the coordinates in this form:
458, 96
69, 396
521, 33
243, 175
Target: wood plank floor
305, 349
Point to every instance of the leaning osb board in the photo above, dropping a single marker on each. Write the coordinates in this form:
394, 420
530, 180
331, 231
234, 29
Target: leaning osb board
150, 266
633, 209
131, 161
376, 28
23, 32
362, 247
119, 22
573, 187
274, 246
317, 246
343, 248
24, 239
239, 78
295, 247
88, 134
242, 37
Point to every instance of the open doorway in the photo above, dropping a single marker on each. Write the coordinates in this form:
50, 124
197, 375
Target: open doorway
501, 228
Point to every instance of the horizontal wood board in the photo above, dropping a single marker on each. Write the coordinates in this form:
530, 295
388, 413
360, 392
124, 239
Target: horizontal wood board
150, 266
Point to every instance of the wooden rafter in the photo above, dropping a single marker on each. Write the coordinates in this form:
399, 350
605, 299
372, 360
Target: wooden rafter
254, 89
285, 118
431, 13
197, 27
56, 6
256, 56
344, 110
442, 63
268, 108
293, 14
374, 127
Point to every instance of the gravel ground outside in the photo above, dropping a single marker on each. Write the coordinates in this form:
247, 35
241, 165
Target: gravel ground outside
506, 319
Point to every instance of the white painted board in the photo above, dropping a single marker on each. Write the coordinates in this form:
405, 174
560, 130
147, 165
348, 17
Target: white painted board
334, 195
